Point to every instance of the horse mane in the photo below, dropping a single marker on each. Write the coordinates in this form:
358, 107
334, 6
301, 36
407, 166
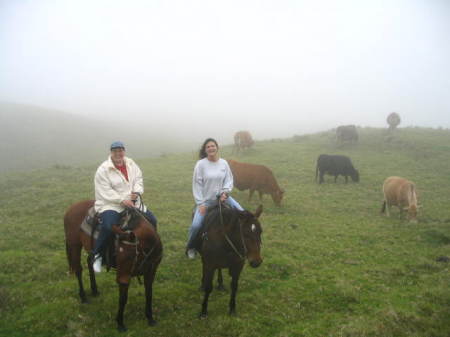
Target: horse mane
213, 216
136, 216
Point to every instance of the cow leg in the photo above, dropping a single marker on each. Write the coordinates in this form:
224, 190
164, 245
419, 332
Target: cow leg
383, 207
400, 214
321, 177
208, 275
335, 178
250, 195
220, 281
94, 289
148, 283
260, 196
123, 298
234, 272
388, 209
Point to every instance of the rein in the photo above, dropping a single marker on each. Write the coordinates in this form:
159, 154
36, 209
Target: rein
138, 252
241, 256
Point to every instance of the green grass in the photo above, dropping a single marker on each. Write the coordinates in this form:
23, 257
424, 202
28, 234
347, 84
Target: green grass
333, 266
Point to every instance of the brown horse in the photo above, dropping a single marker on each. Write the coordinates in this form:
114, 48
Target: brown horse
139, 254
229, 237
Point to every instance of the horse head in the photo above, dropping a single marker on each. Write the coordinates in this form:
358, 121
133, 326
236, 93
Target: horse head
251, 233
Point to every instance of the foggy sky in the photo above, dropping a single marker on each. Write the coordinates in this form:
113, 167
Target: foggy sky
204, 67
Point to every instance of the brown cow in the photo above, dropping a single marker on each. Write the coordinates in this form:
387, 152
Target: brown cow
256, 178
401, 193
242, 140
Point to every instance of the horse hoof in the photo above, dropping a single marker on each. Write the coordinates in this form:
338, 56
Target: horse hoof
220, 287
232, 313
122, 328
151, 322
95, 293
203, 315
84, 300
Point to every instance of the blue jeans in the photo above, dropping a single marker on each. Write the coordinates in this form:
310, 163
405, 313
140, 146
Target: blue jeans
110, 218
197, 221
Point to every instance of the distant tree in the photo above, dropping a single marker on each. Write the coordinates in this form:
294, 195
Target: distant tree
393, 119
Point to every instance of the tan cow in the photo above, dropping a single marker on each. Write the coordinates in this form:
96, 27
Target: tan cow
401, 193
255, 178
242, 140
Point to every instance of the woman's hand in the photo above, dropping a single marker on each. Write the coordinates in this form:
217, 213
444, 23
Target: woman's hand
223, 197
202, 209
128, 203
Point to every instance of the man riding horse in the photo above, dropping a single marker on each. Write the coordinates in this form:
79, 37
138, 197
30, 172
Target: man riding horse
118, 185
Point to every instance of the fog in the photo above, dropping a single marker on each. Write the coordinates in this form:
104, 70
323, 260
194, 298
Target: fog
208, 68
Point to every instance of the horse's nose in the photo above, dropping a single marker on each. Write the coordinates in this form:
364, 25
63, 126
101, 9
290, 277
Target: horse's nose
255, 263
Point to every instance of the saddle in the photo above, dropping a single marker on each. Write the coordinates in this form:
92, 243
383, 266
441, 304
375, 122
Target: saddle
202, 234
91, 226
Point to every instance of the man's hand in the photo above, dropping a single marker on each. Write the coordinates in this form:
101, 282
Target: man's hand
128, 203
134, 196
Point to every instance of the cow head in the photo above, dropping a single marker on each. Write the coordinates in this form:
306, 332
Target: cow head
412, 212
277, 196
355, 176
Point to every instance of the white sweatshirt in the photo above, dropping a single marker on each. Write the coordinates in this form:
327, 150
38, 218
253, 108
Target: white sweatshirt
210, 179
111, 187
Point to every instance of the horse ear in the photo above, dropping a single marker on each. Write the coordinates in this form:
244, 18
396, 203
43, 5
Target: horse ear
258, 211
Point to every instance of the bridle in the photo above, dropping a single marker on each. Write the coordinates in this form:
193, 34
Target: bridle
139, 212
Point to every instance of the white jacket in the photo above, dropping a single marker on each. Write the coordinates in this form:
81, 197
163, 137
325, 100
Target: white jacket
111, 187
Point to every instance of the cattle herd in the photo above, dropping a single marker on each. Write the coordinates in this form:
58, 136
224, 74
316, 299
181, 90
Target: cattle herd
397, 191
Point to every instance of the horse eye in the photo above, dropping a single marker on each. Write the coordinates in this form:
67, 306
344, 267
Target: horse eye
253, 227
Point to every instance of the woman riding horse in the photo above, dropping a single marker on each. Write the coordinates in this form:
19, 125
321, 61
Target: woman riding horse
212, 178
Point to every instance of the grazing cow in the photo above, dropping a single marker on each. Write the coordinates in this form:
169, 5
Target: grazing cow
393, 120
336, 165
346, 133
401, 193
255, 178
242, 140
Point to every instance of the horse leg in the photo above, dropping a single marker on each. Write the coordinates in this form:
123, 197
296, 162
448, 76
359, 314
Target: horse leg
123, 298
74, 257
148, 283
234, 272
220, 281
81, 292
90, 262
208, 275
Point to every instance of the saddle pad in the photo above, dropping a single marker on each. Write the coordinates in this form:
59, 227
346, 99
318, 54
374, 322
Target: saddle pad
88, 223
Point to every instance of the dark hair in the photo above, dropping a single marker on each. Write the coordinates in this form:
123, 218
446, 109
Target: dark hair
202, 153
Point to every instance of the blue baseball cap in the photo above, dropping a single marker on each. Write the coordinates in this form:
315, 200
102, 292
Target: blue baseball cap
117, 145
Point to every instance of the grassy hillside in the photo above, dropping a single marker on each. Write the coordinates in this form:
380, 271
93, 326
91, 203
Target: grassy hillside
333, 266
34, 137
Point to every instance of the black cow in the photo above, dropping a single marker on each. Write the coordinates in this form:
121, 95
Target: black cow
336, 165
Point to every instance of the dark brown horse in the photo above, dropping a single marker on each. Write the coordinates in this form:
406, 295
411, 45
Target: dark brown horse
139, 254
228, 239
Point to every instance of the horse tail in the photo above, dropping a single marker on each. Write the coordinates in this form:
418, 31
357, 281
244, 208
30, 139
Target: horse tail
71, 269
